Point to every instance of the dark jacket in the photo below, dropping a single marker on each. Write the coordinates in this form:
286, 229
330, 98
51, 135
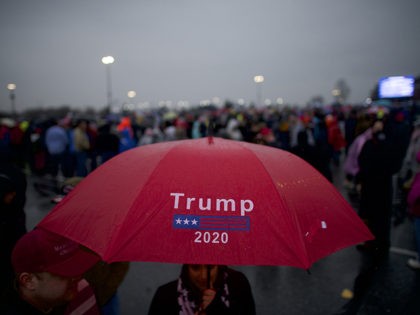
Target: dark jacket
165, 300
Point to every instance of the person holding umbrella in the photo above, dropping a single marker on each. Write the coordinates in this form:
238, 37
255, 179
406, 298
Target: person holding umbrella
204, 290
216, 201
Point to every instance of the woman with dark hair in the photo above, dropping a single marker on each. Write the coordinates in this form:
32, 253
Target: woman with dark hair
204, 290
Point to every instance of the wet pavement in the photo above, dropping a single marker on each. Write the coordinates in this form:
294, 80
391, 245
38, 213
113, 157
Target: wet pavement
389, 287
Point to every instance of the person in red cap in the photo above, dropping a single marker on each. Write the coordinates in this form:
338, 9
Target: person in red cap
49, 277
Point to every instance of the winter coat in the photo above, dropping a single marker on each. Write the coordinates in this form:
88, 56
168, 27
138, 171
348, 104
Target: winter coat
413, 198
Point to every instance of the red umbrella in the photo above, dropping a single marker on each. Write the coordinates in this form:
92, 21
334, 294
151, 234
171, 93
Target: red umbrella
208, 202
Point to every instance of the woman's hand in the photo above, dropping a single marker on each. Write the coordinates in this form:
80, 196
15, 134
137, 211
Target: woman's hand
208, 297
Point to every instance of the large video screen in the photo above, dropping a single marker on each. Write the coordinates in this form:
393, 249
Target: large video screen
396, 87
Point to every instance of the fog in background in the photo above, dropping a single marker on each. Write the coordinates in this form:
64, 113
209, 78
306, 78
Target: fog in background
195, 50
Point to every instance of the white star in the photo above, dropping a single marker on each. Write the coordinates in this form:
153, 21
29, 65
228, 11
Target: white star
178, 221
186, 221
194, 222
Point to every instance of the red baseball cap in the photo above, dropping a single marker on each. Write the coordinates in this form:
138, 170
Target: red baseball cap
40, 250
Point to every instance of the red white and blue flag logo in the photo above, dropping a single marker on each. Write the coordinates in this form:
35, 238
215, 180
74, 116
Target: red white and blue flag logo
211, 223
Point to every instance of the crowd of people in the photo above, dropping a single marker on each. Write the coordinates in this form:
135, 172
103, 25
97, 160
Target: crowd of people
377, 145
73, 146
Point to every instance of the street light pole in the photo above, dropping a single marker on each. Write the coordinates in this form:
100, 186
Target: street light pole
12, 87
107, 61
259, 79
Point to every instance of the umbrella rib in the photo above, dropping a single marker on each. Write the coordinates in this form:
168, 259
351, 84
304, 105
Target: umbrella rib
114, 240
307, 261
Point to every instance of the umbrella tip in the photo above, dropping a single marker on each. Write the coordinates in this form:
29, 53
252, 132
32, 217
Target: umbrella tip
210, 140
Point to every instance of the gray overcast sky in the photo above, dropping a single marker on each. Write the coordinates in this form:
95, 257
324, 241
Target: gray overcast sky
197, 49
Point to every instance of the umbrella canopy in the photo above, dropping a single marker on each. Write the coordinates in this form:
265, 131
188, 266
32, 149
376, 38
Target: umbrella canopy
208, 202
